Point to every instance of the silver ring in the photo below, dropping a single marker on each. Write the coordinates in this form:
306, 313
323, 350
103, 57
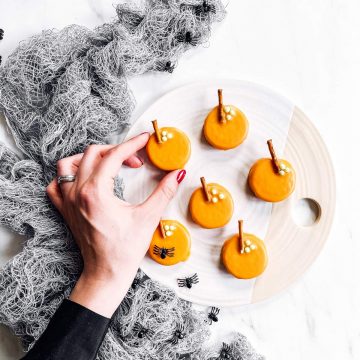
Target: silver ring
66, 178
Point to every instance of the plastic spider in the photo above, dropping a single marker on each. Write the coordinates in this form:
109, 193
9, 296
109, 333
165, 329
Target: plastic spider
205, 8
188, 38
225, 352
165, 66
169, 67
153, 296
188, 281
163, 252
179, 334
212, 316
142, 331
139, 282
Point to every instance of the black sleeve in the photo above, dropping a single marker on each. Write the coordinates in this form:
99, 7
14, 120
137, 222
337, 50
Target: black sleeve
74, 332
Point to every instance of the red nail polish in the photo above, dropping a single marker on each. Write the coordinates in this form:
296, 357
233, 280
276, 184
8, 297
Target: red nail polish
141, 161
180, 176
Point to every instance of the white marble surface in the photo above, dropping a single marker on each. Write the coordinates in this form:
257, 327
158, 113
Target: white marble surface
308, 50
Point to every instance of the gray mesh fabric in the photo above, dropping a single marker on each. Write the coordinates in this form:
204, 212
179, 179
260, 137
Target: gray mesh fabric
61, 91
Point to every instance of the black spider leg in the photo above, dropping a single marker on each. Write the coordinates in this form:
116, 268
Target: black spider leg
181, 282
195, 278
142, 331
167, 66
139, 281
163, 252
153, 296
174, 340
212, 316
204, 9
150, 333
156, 250
170, 252
225, 352
139, 330
137, 327
188, 38
178, 334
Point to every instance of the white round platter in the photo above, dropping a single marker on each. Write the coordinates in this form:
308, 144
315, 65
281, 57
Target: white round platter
291, 248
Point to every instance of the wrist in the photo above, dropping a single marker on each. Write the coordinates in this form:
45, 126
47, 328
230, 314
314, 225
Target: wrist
100, 295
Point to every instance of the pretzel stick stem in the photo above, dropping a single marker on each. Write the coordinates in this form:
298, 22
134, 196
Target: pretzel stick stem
161, 224
205, 189
221, 107
157, 131
241, 235
273, 155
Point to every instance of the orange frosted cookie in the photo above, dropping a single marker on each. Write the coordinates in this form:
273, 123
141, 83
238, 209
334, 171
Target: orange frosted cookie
244, 255
170, 243
272, 179
168, 148
211, 206
226, 127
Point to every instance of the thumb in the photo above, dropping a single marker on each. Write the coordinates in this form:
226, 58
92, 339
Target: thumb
163, 194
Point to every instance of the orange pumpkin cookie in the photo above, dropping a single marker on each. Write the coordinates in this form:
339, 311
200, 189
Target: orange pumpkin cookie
168, 148
211, 206
272, 180
170, 243
226, 127
244, 256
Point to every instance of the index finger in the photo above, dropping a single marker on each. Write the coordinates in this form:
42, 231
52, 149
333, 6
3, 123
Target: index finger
111, 162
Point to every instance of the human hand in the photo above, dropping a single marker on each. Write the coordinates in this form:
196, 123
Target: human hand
113, 235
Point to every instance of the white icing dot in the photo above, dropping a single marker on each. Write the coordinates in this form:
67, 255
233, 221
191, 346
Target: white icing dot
214, 199
227, 109
221, 196
214, 191
168, 233
164, 138
170, 135
282, 166
164, 133
247, 242
287, 170
228, 117
247, 249
282, 172
172, 227
166, 227
232, 112
252, 246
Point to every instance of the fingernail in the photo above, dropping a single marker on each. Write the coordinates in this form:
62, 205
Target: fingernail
180, 176
141, 160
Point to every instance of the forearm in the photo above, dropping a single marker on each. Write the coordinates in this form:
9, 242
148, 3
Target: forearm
103, 294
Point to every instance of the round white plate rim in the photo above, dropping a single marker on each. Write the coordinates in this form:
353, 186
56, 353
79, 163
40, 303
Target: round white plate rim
213, 82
